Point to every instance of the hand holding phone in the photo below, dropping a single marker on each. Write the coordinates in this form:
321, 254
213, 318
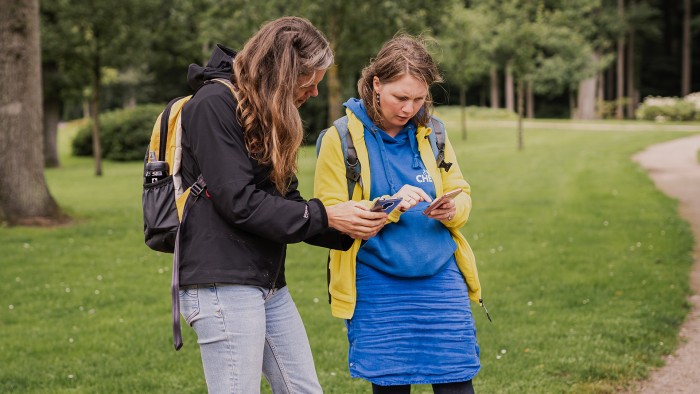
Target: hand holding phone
440, 200
386, 204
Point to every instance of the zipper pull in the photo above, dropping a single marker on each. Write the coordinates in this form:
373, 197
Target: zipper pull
481, 301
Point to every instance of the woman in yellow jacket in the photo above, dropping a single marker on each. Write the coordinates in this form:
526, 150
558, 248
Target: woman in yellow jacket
405, 292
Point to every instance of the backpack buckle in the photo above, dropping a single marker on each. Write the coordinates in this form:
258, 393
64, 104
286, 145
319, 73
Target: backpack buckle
198, 187
441, 163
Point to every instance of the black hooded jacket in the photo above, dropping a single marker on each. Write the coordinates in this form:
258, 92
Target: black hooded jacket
239, 231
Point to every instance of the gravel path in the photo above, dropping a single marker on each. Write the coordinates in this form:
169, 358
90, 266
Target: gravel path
674, 168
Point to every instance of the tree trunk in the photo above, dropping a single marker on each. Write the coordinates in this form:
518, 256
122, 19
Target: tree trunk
631, 95
24, 195
335, 100
530, 101
95, 115
572, 105
687, 48
520, 114
463, 106
510, 97
600, 93
495, 89
586, 99
52, 115
619, 102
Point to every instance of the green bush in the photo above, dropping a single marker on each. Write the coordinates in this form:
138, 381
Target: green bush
124, 133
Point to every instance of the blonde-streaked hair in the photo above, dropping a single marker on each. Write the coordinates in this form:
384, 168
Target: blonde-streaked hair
403, 54
266, 73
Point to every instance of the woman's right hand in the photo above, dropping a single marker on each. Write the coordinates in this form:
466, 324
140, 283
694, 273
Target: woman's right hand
355, 220
411, 196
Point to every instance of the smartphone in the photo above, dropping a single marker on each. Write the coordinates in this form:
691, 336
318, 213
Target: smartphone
438, 201
386, 204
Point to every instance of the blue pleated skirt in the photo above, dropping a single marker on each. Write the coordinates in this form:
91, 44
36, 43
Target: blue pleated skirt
412, 330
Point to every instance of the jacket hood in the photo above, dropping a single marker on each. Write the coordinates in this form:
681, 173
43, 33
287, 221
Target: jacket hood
358, 108
220, 65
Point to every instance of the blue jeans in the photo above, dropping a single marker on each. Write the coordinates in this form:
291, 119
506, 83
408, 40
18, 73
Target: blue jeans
244, 331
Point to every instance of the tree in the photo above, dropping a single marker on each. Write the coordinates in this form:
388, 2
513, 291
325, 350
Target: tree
24, 195
463, 57
94, 35
687, 45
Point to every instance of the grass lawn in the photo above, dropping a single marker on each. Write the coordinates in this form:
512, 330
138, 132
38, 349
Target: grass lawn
583, 263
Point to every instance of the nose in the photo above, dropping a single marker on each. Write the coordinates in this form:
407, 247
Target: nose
314, 91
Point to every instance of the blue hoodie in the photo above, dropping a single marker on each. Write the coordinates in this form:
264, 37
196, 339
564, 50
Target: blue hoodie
416, 245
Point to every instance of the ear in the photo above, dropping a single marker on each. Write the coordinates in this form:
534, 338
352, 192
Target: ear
376, 84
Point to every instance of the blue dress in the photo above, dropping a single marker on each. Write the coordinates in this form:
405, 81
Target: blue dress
412, 322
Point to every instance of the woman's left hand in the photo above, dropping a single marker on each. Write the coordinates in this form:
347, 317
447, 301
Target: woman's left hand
445, 212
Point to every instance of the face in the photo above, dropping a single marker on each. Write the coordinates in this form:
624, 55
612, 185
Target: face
400, 100
307, 87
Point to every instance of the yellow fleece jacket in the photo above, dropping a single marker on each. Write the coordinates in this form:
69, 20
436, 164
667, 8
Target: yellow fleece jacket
330, 186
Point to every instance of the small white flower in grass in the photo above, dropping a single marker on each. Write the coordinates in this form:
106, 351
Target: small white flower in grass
493, 251
639, 244
99, 277
475, 237
67, 289
71, 376
26, 245
70, 340
160, 270
661, 343
315, 300
529, 303
500, 248
97, 292
11, 307
503, 351
121, 320
332, 373
18, 279
586, 301
91, 311
498, 357
605, 223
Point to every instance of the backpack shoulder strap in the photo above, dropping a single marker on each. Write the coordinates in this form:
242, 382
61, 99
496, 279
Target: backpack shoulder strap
352, 164
437, 142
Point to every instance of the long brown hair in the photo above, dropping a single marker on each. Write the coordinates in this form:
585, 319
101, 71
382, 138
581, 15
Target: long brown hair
403, 54
266, 73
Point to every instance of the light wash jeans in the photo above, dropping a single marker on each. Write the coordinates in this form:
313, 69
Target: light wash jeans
245, 330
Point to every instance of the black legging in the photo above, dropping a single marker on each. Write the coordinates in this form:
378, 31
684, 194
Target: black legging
439, 388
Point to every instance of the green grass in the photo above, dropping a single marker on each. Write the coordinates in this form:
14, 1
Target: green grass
583, 263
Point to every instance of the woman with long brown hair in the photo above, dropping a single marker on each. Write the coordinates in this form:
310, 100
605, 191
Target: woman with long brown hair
405, 292
243, 139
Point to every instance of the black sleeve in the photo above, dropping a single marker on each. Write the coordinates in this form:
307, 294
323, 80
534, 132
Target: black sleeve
216, 140
331, 239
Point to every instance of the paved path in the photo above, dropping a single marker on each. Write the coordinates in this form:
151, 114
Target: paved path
674, 168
